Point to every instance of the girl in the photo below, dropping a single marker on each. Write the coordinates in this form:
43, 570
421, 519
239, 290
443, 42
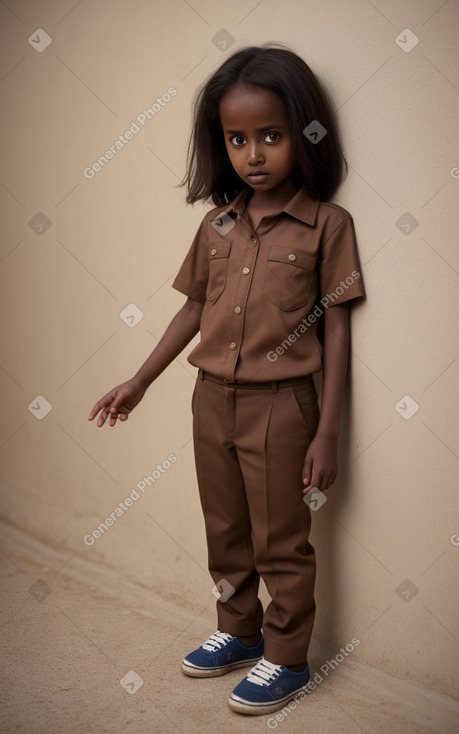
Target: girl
269, 265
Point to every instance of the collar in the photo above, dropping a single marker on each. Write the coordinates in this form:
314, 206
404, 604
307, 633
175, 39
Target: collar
301, 206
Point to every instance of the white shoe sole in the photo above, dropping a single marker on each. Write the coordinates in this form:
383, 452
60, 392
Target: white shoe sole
241, 706
195, 672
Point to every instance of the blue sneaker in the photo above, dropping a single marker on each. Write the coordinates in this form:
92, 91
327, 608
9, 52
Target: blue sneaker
219, 654
267, 687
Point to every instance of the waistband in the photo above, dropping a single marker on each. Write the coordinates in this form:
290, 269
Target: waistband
274, 385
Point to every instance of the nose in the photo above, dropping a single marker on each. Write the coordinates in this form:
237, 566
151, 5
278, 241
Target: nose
255, 155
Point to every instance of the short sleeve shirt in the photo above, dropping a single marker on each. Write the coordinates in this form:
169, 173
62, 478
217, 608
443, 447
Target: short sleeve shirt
264, 290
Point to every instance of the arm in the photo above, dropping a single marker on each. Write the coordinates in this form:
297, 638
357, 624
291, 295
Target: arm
122, 399
183, 327
321, 463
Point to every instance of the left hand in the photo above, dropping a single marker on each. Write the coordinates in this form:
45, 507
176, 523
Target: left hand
321, 463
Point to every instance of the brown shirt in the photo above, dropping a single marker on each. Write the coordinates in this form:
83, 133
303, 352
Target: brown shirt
265, 289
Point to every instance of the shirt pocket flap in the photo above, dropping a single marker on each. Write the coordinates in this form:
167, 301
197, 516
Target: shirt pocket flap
219, 249
292, 256
218, 269
288, 279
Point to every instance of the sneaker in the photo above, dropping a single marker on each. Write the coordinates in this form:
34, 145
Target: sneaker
219, 654
267, 687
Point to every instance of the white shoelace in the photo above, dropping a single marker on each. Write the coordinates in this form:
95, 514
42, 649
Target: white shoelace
216, 641
264, 672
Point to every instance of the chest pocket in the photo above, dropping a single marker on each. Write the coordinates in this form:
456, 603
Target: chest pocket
218, 269
288, 277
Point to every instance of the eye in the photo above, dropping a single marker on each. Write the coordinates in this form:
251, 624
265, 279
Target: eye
237, 140
272, 137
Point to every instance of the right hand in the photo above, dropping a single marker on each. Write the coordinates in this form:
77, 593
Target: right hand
118, 403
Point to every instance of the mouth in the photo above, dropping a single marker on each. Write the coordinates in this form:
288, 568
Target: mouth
257, 176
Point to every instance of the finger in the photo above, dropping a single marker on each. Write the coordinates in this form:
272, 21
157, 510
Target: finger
113, 416
317, 481
102, 417
115, 406
108, 413
307, 472
101, 405
94, 411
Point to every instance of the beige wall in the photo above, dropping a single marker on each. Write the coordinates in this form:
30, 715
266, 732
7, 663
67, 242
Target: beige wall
391, 520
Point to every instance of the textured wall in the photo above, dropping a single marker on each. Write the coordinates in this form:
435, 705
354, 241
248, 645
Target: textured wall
88, 256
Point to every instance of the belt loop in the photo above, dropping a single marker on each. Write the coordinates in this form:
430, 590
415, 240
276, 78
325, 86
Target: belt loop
275, 387
201, 374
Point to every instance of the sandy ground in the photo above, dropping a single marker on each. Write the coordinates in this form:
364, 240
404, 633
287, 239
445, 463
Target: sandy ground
72, 630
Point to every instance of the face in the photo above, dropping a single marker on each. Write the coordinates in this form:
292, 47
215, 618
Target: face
258, 138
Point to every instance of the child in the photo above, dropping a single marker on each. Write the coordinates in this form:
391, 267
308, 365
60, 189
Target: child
268, 265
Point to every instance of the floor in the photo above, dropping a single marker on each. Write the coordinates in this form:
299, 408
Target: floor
84, 651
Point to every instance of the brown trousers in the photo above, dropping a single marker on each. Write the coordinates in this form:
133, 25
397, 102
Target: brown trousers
250, 446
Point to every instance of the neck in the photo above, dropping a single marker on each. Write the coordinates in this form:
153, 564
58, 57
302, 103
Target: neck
271, 201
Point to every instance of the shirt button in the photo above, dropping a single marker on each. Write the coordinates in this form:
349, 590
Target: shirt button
246, 270
213, 251
292, 257
253, 239
237, 309
233, 346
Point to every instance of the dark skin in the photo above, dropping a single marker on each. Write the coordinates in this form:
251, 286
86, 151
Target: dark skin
258, 141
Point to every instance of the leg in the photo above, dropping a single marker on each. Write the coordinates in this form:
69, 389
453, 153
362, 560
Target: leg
271, 444
226, 515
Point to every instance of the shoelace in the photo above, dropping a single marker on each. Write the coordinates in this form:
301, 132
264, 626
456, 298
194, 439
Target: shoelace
264, 672
216, 641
